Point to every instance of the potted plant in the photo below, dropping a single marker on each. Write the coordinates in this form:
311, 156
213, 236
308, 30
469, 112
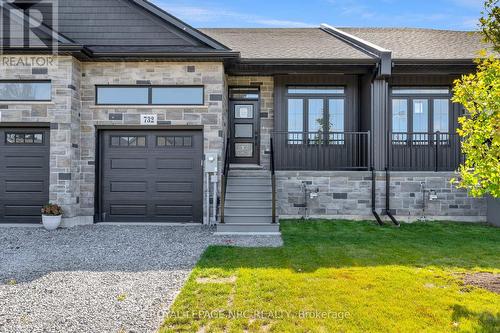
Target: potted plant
51, 216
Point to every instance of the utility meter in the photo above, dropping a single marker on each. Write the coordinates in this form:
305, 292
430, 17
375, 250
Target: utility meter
211, 162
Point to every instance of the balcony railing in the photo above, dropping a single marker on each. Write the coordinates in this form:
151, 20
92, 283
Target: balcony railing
318, 151
421, 151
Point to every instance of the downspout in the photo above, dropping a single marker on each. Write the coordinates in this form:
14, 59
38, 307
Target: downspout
374, 197
388, 197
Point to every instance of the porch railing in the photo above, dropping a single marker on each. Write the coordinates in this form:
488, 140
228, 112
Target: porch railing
424, 151
318, 151
224, 174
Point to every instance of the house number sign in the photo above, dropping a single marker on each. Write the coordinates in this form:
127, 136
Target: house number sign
149, 119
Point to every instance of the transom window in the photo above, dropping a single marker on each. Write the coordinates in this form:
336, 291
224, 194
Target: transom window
316, 115
174, 141
23, 138
128, 141
25, 91
420, 111
149, 95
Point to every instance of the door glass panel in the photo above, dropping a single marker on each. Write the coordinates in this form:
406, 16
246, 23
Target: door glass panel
243, 130
243, 111
316, 122
420, 121
442, 115
399, 120
336, 121
243, 149
295, 120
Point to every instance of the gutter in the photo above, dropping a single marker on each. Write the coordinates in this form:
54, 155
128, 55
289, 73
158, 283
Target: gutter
384, 55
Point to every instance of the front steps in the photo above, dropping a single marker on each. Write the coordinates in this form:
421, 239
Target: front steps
248, 208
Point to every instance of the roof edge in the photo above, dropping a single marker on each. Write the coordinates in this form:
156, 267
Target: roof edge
383, 54
162, 14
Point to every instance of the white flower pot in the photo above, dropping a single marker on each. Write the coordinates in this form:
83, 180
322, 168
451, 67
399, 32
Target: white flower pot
51, 222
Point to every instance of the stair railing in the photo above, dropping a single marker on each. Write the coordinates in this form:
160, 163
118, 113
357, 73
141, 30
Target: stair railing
273, 182
225, 172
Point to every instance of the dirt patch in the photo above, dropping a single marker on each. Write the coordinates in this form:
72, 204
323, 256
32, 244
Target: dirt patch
488, 281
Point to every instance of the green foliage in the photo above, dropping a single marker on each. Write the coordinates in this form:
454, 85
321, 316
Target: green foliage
479, 128
490, 23
52, 210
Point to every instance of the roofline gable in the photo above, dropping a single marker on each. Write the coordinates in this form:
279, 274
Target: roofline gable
383, 54
195, 33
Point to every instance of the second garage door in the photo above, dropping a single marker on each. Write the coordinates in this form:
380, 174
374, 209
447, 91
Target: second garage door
151, 176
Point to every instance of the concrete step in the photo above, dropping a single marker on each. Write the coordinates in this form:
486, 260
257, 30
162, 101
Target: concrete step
249, 181
248, 202
247, 210
244, 218
249, 188
246, 195
248, 228
245, 167
249, 173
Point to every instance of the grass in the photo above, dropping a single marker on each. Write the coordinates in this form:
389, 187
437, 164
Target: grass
345, 277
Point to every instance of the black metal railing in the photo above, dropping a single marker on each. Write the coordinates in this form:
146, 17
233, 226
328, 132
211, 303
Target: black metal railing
318, 151
273, 181
424, 151
225, 172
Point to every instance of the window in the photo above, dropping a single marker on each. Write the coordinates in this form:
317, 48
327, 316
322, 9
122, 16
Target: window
318, 110
128, 141
174, 141
244, 93
25, 91
315, 90
420, 111
24, 138
177, 96
150, 95
243, 111
122, 96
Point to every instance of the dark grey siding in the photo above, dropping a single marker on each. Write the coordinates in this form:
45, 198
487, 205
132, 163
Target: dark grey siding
380, 93
115, 23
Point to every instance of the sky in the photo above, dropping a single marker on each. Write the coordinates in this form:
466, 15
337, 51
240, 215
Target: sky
437, 14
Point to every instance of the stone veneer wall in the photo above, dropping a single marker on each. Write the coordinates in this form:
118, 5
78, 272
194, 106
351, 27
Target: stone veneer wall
266, 85
212, 116
348, 195
63, 114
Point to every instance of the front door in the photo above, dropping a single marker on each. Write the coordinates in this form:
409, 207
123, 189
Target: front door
245, 132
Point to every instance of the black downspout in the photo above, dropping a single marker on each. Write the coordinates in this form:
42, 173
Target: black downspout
388, 197
374, 210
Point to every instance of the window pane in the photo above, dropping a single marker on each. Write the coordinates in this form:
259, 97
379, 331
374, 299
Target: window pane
243, 111
123, 95
316, 115
188, 141
178, 96
337, 119
441, 115
244, 93
420, 115
25, 91
399, 115
421, 91
295, 115
316, 90
243, 130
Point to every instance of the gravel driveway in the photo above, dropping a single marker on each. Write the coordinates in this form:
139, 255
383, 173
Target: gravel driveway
99, 278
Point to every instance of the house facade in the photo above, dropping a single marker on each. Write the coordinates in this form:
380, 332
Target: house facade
115, 111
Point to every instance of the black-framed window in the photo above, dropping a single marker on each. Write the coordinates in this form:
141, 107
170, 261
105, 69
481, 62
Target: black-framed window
315, 114
150, 95
420, 111
16, 138
25, 91
244, 93
128, 141
174, 141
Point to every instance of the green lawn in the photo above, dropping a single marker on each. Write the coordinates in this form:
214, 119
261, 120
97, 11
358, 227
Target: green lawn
338, 276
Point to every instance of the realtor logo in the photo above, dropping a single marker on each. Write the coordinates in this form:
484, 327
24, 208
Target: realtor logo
28, 24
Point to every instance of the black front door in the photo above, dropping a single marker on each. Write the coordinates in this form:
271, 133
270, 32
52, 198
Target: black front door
245, 132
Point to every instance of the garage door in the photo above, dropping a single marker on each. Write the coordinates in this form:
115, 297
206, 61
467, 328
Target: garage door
151, 176
24, 174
